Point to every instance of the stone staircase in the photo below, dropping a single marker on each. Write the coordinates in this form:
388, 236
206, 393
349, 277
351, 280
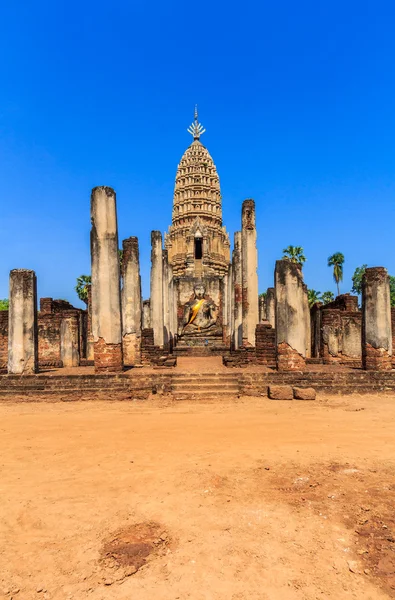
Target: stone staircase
190, 386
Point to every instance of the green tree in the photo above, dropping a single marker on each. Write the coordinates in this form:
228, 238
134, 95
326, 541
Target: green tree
294, 254
392, 290
357, 280
83, 282
357, 283
120, 258
4, 304
327, 297
262, 295
314, 297
337, 261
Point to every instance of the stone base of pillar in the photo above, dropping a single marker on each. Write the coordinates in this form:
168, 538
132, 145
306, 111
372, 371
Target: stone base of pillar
289, 359
108, 357
90, 348
376, 359
131, 345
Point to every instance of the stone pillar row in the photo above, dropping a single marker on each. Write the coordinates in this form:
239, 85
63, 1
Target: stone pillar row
116, 318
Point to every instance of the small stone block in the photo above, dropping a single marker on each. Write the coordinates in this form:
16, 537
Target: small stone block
304, 393
280, 392
170, 362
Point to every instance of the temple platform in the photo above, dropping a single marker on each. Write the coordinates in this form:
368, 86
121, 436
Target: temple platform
192, 378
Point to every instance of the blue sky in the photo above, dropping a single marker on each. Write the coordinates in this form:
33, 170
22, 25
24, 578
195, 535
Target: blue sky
297, 98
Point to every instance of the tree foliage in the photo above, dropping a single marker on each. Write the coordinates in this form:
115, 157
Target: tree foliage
4, 304
314, 297
83, 283
294, 254
327, 297
337, 261
357, 279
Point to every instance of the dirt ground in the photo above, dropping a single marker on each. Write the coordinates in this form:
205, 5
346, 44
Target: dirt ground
236, 500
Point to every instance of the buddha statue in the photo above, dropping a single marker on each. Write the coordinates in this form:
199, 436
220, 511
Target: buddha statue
200, 314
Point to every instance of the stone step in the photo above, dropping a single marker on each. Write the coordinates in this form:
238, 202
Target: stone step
205, 379
204, 388
203, 396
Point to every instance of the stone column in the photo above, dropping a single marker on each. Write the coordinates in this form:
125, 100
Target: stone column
271, 306
225, 308
376, 320
231, 313
238, 292
69, 341
106, 295
172, 306
146, 314
290, 316
316, 330
249, 259
22, 323
307, 322
262, 309
131, 302
90, 354
166, 312
156, 300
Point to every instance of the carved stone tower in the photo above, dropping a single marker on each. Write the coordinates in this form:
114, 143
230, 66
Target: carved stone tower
197, 243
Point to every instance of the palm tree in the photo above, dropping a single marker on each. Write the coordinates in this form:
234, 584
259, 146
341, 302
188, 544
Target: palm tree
295, 254
83, 283
336, 261
314, 297
327, 297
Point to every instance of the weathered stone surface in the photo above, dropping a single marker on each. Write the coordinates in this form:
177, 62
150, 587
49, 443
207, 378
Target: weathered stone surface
271, 306
307, 317
262, 309
156, 299
291, 330
265, 345
304, 393
376, 320
146, 320
249, 260
22, 323
108, 357
280, 392
166, 301
69, 341
106, 297
3, 339
131, 302
288, 359
339, 340
238, 292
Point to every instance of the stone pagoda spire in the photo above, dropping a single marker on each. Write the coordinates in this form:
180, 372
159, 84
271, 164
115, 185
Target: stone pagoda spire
197, 243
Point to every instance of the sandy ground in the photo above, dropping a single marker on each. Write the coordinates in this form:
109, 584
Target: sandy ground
248, 499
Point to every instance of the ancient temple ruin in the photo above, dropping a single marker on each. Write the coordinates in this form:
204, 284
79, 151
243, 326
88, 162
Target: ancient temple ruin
204, 299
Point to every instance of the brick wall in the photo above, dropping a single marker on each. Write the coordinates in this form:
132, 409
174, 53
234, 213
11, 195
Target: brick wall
49, 339
341, 332
344, 302
3, 339
150, 353
265, 345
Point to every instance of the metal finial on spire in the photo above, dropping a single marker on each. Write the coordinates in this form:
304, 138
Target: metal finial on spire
196, 129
